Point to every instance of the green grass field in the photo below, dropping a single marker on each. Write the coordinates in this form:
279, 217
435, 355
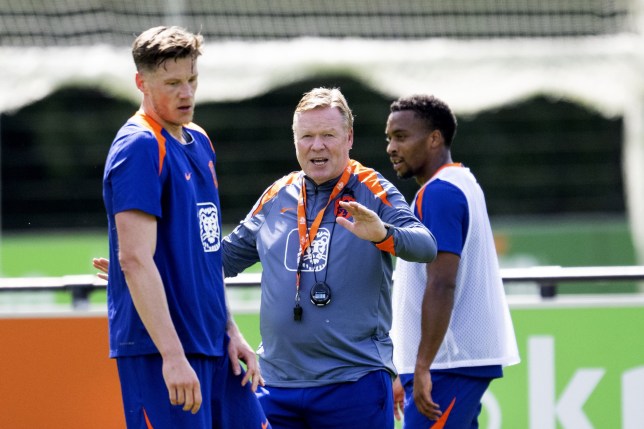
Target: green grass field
565, 242
556, 242
50, 254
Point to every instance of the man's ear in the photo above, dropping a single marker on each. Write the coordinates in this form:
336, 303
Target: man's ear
138, 79
436, 138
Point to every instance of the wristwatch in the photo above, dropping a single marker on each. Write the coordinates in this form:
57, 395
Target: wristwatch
390, 232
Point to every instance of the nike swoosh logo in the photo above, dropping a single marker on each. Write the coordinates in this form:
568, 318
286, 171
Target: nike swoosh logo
285, 209
440, 423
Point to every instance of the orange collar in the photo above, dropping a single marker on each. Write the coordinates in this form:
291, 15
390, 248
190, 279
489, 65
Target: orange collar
451, 164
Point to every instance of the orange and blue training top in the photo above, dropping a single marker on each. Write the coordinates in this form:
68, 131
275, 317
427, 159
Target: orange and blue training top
149, 170
349, 337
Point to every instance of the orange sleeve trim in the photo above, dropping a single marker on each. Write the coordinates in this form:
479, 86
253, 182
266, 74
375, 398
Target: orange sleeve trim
146, 121
387, 245
369, 177
274, 189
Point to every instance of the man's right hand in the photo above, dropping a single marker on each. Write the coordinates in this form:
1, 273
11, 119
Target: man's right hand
423, 395
182, 383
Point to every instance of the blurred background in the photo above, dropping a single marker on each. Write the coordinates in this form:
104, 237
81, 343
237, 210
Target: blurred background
548, 95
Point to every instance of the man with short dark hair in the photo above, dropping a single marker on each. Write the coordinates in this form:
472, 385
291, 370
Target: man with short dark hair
451, 328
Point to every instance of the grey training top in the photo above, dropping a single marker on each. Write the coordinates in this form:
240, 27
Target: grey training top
349, 337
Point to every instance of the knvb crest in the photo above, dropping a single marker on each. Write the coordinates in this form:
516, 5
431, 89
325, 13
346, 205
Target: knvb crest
339, 211
315, 257
209, 227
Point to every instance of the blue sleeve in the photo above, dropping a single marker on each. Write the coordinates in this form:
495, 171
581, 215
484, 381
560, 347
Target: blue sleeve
134, 174
445, 213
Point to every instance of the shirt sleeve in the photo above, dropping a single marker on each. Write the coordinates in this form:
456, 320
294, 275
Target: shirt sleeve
445, 212
240, 246
134, 175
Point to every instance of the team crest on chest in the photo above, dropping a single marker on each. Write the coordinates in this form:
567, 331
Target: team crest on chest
339, 211
209, 227
315, 257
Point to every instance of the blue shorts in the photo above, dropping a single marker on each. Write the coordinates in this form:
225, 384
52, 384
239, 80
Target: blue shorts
366, 403
226, 404
465, 392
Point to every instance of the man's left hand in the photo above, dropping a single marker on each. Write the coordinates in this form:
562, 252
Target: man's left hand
366, 223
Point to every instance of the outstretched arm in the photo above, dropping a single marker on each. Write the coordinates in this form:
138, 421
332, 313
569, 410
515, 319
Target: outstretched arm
404, 236
366, 223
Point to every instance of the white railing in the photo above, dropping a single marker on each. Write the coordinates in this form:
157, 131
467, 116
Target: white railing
547, 278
